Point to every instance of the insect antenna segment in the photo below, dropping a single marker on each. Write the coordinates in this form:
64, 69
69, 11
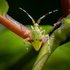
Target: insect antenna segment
33, 21
39, 20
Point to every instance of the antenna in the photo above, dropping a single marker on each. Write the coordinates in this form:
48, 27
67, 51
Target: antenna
33, 21
39, 20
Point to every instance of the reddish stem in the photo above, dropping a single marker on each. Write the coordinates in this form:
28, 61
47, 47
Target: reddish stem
65, 4
16, 27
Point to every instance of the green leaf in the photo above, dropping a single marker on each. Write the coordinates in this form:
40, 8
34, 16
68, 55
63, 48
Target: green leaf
59, 59
2, 28
12, 49
3, 7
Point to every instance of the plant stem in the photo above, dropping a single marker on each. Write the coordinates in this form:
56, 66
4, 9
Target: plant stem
15, 27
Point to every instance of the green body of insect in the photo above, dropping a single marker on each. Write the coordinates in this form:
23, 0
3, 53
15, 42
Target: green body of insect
37, 34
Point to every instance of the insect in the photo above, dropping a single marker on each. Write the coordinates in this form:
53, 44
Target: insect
37, 32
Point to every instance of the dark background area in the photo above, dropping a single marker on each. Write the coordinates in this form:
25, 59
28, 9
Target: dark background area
36, 8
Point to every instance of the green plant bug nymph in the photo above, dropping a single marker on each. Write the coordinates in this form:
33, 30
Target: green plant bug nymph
37, 32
